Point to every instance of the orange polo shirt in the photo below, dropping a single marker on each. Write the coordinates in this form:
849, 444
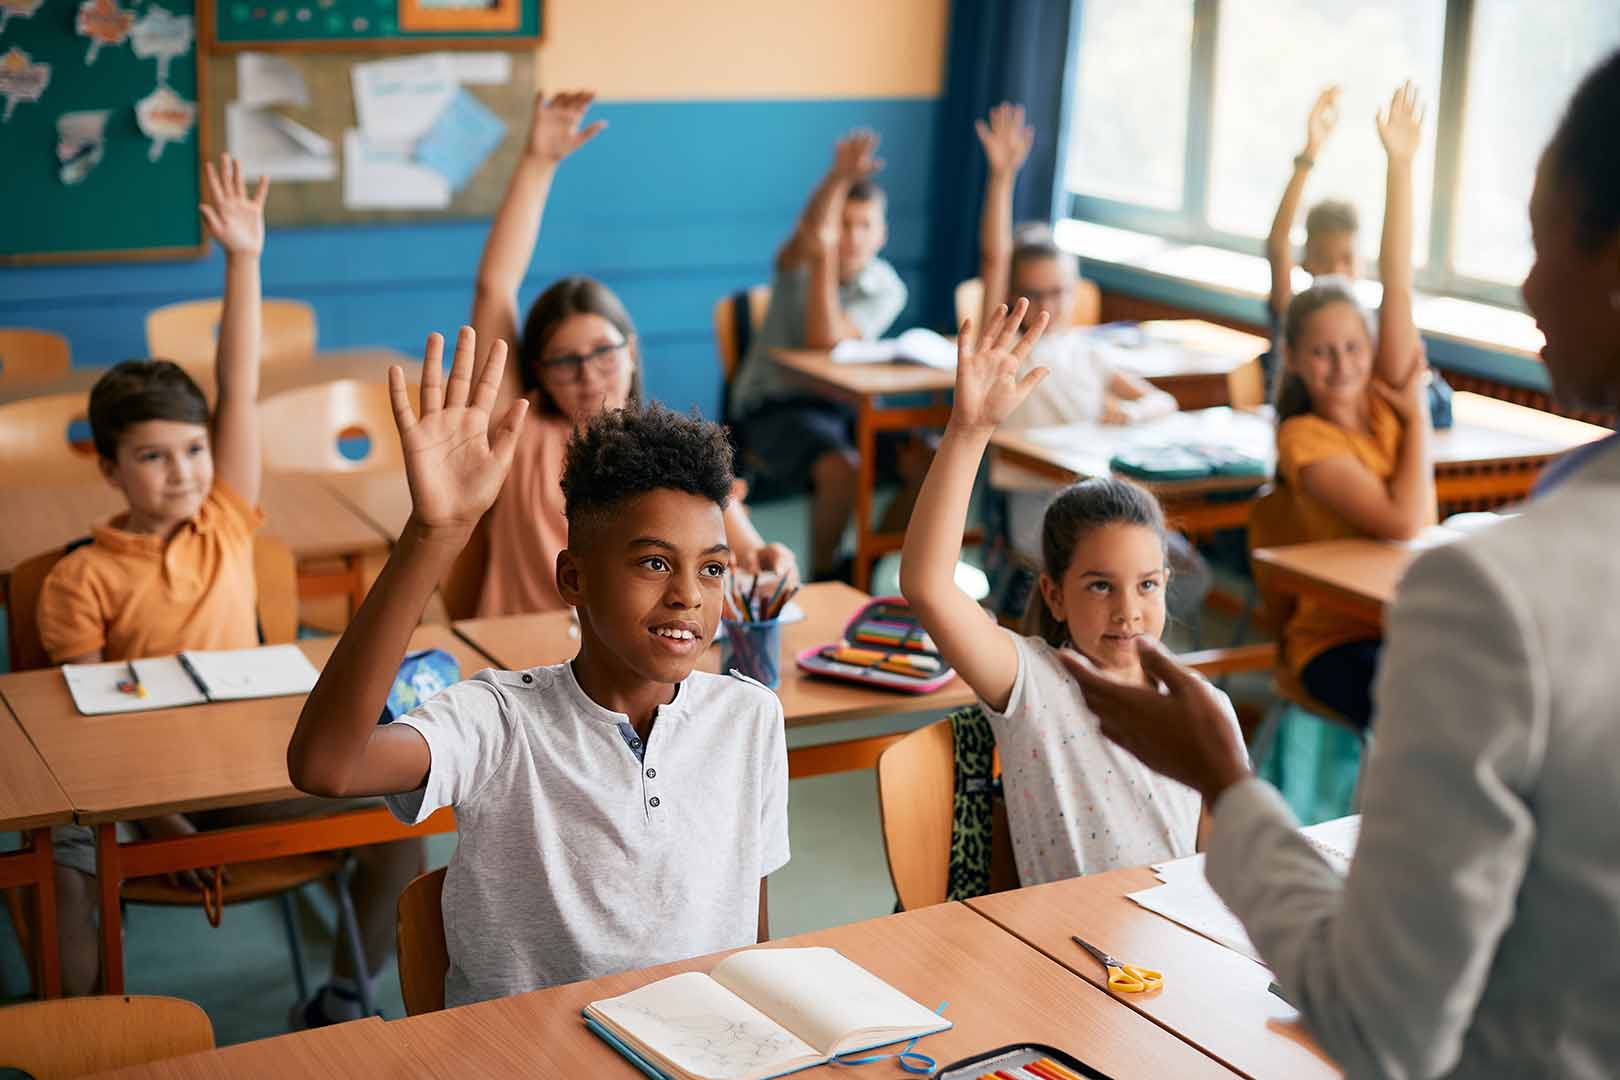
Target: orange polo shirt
135, 594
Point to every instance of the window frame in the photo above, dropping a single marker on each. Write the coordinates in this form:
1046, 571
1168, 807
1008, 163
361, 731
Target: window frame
1190, 224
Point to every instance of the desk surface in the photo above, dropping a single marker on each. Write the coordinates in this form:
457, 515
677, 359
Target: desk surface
199, 757
359, 1048
29, 794
381, 496
999, 991
856, 382
301, 511
524, 641
1361, 573
1213, 998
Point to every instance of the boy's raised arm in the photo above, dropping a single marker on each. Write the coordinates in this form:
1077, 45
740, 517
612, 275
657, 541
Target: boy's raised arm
236, 220
456, 460
1006, 141
1399, 347
852, 160
1280, 244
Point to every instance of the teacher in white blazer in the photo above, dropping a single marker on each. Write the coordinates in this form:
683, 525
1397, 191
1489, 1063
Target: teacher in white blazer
1478, 931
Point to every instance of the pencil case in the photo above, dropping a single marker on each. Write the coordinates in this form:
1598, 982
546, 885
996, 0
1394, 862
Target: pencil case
1185, 462
421, 675
1021, 1061
882, 645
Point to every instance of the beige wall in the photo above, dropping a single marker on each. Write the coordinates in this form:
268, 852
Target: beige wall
653, 50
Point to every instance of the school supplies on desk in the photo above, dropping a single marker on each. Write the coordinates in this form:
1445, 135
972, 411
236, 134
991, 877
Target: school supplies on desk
1021, 1061
883, 645
191, 678
760, 1013
752, 621
1123, 978
917, 346
1169, 463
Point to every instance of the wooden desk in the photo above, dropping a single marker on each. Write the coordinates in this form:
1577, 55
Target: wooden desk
201, 757
1200, 364
359, 1048
31, 801
1356, 577
1213, 998
381, 496
524, 641
999, 991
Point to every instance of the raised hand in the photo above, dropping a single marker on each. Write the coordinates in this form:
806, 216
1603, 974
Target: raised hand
1005, 139
1401, 125
554, 130
1323, 119
233, 217
988, 388
455, 461
855, 156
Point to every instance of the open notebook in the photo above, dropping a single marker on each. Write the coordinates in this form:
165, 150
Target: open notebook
758, 1014
191, 678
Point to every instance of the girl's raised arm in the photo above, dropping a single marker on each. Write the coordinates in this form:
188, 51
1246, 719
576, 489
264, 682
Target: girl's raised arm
1399, 348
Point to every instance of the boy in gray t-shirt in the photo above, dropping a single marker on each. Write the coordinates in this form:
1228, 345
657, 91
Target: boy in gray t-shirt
614, 812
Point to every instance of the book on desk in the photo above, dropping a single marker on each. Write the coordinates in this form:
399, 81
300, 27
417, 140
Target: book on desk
190, 678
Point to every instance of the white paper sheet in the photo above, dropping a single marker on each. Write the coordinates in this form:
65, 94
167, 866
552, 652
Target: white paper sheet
95, 686
237, 674
919, 346
481, 68
398, 100
270, 145
380, 175
263, 79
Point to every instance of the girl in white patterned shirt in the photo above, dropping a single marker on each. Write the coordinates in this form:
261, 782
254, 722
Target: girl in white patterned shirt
1076, 803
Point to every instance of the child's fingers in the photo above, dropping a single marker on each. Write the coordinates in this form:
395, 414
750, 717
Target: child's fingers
590, 133
432, 393
400, 399
1027, 344
489, 380
964, 339
1009, 328
1031, 379
211, 177
263, 192
459, 388
504, 445
992, 329
214, 226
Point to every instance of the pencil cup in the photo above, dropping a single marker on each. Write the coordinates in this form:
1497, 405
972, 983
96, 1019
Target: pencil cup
755, 649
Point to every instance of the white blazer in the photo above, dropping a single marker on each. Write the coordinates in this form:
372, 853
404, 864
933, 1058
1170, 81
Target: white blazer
1478, 932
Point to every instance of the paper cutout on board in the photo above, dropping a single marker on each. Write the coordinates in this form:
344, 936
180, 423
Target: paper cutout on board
379, 174
464, 135
21, 79
80, 139
400, 99
163, 35
20, 9
263, 79
104, 23
164, 117
270, 145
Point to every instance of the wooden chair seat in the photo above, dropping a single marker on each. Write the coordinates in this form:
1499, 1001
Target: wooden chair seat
187, 332
68, 1037
32, 355
247, 881
36, 448
419, 936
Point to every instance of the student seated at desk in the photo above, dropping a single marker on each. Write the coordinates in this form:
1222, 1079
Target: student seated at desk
830, 285
175, 571
1076, 804
616, 811
1081, 388
1353, 435
577, 355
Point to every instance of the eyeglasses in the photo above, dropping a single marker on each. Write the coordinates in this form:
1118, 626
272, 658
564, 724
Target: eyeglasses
570, 367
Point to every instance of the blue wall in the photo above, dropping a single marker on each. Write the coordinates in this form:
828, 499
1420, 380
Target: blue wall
673, 206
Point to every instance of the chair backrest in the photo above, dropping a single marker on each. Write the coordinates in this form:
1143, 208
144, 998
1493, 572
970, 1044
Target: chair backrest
37, 443
1273, 523
731, 343
275, 573
32, 354
307, 429
187, 332
69, 1037
419, 936
1087, 302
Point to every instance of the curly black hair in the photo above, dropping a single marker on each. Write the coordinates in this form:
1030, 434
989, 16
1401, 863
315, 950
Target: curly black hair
136, 391
622, 453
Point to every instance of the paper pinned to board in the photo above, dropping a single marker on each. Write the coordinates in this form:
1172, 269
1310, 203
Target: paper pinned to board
273, 146
263, 79
379, 174
463, 137
400, 99
481, 68
80, 139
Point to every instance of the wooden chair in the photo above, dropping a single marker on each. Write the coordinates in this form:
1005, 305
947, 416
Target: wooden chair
419, 938
37, 448
302, 428
1087, 302
732, 334
70, 1037
916, 780
276, 577
32, 355
187, 332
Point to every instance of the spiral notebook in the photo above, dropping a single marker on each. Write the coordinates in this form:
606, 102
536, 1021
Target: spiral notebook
191, 678
760, 1013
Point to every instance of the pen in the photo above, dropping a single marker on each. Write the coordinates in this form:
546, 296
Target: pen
132, 685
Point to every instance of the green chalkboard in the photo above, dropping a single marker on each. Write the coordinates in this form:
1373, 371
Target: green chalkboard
369, 24
126, 204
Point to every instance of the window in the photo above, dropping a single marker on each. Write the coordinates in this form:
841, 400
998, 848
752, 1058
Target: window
1189, 134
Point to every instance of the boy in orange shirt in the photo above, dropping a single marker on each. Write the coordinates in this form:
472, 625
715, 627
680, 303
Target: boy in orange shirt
175, 571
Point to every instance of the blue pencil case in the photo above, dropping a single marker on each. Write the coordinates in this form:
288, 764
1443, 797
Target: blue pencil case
421, 675
1194, 461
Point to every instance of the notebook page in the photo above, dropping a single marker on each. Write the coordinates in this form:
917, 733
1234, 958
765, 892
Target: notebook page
95, 686
268, 671
1193, 904
826, 999
691, 1025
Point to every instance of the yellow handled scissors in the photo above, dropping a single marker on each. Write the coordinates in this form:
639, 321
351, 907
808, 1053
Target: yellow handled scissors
1124, 978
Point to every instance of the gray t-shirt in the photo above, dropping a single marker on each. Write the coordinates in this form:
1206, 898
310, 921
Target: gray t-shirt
872, 300
582, 852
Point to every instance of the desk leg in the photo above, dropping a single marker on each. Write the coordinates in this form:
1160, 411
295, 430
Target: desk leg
47, 951
110, 877
865, 486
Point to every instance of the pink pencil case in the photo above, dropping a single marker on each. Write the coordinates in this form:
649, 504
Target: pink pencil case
886, 628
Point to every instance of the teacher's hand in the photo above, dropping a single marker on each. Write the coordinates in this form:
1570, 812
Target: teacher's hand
1183, 732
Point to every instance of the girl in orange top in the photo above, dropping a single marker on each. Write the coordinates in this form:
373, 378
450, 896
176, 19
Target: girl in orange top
1353, 433
577, 356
